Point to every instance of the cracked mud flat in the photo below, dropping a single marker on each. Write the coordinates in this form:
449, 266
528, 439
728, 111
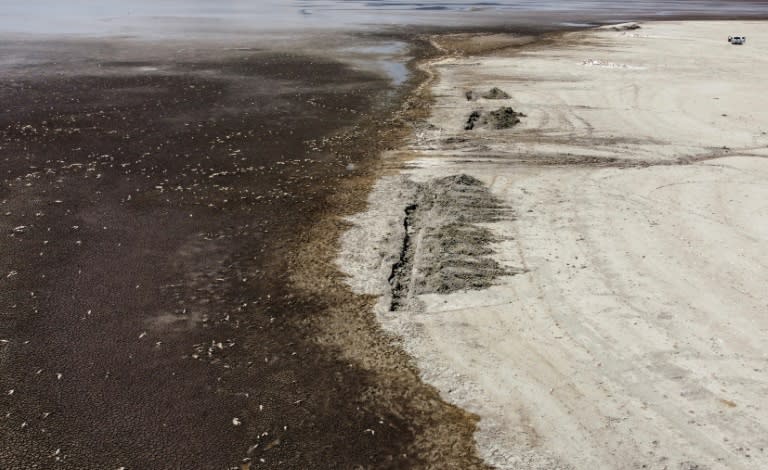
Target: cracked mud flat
622, 325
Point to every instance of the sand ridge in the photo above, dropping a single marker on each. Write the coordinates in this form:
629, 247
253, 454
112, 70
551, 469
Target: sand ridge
630, 335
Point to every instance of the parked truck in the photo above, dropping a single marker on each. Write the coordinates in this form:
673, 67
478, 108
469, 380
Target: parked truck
737, 40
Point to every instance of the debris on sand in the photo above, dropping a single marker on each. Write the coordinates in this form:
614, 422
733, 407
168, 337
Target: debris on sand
472, 120
496, 94
622, 26
503, 118
606, 64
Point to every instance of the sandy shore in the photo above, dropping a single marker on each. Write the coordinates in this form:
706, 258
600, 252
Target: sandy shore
589, 282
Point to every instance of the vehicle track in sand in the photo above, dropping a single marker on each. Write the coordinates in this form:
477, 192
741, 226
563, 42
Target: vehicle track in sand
632, 334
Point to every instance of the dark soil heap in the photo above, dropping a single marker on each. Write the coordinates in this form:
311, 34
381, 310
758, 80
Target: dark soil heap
472, 120
496, 94
443, 224
503, 118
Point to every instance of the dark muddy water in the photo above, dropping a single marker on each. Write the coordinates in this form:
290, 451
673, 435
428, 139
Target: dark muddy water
203, 17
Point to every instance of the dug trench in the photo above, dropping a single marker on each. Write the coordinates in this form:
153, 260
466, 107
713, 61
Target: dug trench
443, 229
169, 297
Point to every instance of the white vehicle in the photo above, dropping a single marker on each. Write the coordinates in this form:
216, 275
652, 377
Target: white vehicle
737, 40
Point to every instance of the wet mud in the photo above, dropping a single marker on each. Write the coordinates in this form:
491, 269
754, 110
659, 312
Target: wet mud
157, 306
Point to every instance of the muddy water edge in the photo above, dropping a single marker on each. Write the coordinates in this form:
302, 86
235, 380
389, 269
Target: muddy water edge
169, 295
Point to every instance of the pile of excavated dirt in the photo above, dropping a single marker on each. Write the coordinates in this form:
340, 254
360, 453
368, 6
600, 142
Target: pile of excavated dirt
444, 249
503, 118
496, 93
472, 120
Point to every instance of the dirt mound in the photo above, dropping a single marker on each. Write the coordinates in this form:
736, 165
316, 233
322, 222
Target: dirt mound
496, 94
472, 120
503, 118
458, 181
444, 249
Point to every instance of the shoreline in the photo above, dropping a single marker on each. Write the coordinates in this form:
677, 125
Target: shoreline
328, 363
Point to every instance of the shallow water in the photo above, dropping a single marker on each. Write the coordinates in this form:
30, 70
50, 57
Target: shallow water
386, 57
206, 17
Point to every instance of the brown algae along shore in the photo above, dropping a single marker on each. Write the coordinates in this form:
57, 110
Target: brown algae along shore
169, 294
